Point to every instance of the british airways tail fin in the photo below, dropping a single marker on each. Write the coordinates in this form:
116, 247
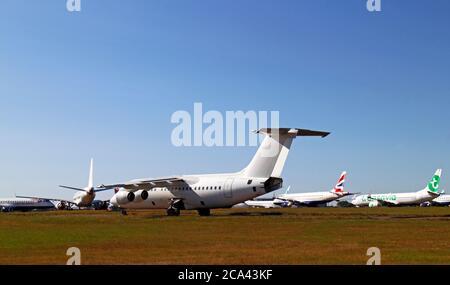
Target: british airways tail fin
339, 188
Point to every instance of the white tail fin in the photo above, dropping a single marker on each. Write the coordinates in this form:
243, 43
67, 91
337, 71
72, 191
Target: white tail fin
91, 176
339, 188
271, 156
287, 190
90, 187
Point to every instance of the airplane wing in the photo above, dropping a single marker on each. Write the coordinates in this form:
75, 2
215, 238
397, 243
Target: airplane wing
388, 203
49, 199
147, 183
303, 204
384, 202
295, 202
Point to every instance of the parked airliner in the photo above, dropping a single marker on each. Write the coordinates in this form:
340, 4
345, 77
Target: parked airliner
84, 197
24, 204
268, 203
443, 200
209, 191
314, 199
430, 193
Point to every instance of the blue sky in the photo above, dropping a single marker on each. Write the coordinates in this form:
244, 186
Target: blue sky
103, 83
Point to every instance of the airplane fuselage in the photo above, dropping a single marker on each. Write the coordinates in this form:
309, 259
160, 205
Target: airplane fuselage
313, 198
24, 204
397, 199
199, 192
443, 200
275, 203
83, 199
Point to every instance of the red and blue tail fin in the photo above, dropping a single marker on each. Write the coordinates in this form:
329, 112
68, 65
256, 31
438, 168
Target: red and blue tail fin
339, 188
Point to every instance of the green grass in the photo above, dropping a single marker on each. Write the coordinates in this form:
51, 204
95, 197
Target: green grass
235, 236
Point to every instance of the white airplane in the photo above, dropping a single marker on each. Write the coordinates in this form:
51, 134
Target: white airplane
268, 203
84, 197
442, 200
24, 204
209, 191
430, 193
315, 199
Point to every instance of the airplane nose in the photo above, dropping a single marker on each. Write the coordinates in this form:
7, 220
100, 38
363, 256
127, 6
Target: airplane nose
113, 201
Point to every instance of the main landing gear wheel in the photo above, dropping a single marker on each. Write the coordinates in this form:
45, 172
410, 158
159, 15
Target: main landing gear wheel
204, 212
124, 212
172, 211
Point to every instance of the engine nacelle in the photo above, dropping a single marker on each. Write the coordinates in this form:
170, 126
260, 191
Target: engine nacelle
374, 204
141, 195
124, 197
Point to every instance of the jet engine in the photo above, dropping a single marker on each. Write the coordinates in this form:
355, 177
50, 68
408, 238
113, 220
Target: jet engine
124, 197
374, 204
141, 195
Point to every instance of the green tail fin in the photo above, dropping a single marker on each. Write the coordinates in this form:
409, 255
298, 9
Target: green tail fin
433, 186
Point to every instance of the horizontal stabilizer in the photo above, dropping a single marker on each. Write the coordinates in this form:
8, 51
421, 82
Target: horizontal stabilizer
271, 155
293, 132
72, 188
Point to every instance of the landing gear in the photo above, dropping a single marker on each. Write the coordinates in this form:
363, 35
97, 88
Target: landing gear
204, 212
175, 205
124, 212
173, 211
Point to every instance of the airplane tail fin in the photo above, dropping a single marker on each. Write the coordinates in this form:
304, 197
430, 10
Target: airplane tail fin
271, 156
433, 185
90, 186
91, 175
339, 188
287, 190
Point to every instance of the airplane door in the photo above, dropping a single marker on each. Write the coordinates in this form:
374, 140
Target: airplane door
228, 188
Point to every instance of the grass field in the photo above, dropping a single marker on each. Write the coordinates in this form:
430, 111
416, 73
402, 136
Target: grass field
235, 236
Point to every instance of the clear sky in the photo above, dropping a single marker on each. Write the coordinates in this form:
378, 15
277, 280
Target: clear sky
104, 83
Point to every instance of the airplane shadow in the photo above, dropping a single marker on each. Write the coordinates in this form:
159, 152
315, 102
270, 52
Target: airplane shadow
254, 214
236, 214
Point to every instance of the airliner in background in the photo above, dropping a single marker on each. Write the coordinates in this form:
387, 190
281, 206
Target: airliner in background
210, 191
266, 203
83, 198
25, 204
312, 199
315, 199
442, 201
428, 194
